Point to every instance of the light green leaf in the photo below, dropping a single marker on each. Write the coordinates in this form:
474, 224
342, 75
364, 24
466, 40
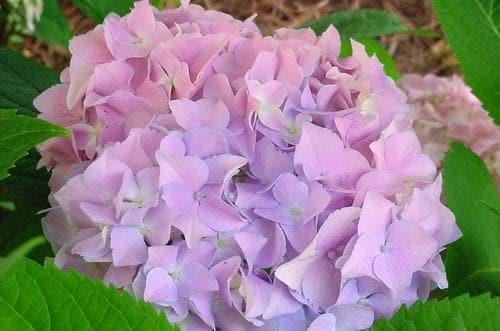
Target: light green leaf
21, 80
472, 28
97, 10
363, 23
10, 260
473, 262
21, 133
53, 26
373, 47
33, 297
7, 205
480, 313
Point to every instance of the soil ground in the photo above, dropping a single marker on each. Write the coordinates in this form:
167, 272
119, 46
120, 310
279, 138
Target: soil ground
412, 53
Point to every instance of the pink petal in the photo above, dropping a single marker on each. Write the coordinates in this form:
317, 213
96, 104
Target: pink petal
160, 288
411, 239
120, 277
158, 221
192, 227
218, 215
338, 228
128, 246
185, 169
289, 72
205, 142
321, 271
394, 269
290, 192
360, 262
300, 235
194, 278
178, 196
291, 273
164, 257
264, 67
281, 302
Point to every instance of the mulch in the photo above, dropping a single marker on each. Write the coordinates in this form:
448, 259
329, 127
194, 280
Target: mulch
412, 53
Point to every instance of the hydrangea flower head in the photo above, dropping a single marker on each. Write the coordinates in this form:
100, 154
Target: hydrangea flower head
241, 182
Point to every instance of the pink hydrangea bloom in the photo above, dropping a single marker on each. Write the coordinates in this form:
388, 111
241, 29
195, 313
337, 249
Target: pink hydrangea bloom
241, 182
446, 110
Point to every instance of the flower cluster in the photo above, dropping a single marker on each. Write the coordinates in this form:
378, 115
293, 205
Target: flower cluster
446, 110
241, 182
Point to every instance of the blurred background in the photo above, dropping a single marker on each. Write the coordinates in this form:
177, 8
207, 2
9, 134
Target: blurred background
412, 53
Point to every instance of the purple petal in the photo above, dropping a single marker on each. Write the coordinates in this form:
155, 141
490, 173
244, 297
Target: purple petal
281, 302
194, 279
323, 322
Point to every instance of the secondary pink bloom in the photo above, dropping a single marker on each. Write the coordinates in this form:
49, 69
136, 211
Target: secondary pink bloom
446, 110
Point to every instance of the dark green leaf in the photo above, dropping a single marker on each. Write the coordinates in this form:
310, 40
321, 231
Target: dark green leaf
373, 47
473, 262
19, 134
20, 225
28, 183
472, 28
53, 26
461, 313
33, 297
97, 10
21, 80
363, 23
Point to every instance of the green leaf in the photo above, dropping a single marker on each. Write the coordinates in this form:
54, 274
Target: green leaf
33, 297
363, 23
27, 183
20, 225
472, 28
425, 33
461, 313
10, 260
97, 10
473, 262
21, 133
373, 47
21, 80
7, 205
53, 26
160, 4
